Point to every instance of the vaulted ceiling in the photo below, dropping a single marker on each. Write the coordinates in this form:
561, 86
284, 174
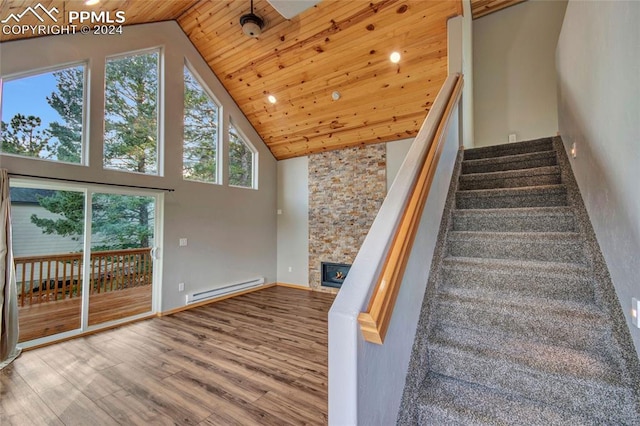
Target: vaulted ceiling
335, 46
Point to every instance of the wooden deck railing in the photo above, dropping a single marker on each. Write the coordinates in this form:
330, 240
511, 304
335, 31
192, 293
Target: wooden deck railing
48, 278
375, 321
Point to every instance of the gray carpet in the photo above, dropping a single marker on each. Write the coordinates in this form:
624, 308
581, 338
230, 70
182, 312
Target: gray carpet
520, 324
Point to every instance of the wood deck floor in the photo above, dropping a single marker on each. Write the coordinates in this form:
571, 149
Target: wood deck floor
45, 319
257, 359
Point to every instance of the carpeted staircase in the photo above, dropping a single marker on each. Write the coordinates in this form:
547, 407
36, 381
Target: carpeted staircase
520, 323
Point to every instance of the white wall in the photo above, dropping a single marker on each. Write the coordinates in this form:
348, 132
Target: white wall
514, 75
231, 231
396, 153
293, 201
293, 221
460, 60
599, 109
466, 118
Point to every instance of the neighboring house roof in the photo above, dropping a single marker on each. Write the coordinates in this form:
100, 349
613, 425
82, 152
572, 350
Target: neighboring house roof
28, 195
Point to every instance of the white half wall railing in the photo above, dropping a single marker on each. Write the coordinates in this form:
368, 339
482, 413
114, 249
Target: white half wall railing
366, 380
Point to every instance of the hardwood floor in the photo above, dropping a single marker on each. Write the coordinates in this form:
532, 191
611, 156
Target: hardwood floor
260, 358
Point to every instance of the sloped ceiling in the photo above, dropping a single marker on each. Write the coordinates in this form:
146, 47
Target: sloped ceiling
336, 45
341, 46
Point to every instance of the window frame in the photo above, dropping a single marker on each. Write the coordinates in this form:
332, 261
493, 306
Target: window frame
159, 109
254, 156
84, 141
220, 114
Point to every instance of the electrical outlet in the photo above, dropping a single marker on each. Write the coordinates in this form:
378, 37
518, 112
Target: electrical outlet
180, 286
290, 269
183, 242
512, 137
279, 211
635, 311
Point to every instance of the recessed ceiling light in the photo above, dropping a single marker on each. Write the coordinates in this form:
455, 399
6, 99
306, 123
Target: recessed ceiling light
395, 57
91, 2
272, 99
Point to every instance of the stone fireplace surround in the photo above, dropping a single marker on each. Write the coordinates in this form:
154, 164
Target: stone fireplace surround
346, 190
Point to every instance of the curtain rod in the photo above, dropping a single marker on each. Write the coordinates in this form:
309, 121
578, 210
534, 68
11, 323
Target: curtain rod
92, 182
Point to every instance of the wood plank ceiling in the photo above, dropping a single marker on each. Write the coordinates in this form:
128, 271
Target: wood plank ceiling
337, 45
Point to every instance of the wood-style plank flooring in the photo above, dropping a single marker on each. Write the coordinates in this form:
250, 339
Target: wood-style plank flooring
260, 358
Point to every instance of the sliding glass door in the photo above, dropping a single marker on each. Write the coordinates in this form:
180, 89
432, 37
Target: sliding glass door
48, 248
85, 257
122, 248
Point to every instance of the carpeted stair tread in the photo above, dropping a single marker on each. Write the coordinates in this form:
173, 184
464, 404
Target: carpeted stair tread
510, 162
575, 311
511, 178
552, 269
536, 145
548, 373
446, 401
564, 247
519, 322
517, 353
528, 196
524, 219
561, 322
563, 281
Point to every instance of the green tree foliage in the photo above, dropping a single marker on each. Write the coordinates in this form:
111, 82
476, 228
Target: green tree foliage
21, 136
69, 205
200, 132
240, 161
68, 101
122, 221
118, 221
131, 113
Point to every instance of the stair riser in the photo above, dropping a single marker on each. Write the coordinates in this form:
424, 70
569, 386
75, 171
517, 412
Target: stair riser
514, 182
501, 166
582, 395
556, 251
527, 284
496, 223
557, 199
514, 149
541, 326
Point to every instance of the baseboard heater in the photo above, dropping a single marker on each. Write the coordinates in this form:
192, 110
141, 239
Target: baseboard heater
223, 291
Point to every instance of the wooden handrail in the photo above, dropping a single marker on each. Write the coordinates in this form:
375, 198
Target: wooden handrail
375, 321
69, 256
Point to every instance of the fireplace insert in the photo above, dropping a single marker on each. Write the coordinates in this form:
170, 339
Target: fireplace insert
333, 274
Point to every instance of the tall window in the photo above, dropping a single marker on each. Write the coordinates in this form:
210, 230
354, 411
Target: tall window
241, 159
42, 115
131, 113
200, 139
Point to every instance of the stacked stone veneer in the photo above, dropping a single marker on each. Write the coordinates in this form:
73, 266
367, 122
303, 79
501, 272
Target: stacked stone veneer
346, 190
